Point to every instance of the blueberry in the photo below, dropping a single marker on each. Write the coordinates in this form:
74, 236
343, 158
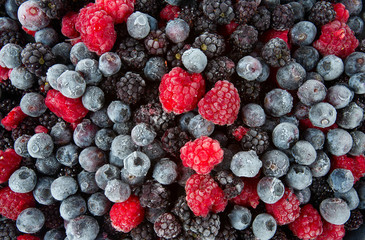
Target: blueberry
54, 234
21, 78
30, 220
78, 52
265, 71
303, 195
31, 16
285, 135
54, 72
40, 145
355, 63
89, 69
240, 217
246, 164
291, 76
82, 228
165, 171
109, 63
154, 150
93, 98
194, 60
339, 96
358, 146
87, 182
264, 226
33, 104
275, 163
72, 207
122, 146
321, 165
299, 177
357, 83
98, 204
124, 128
47, 36
23, 180
155, 68
118, 112
312, 92
335, 211
315, 76
10, 55
353, 6
278, 102
117, 191
315, 137
304, 152
341, 180
339, 141
68, 155
198, 126
62, 52
137, 25
104, 138
350, 117
84, 133
42, 191
356, 24
322, 115
48, 166
330, 67
91, 159
137, 163
71, 84
142, 134
63, 187
270, 189
351, 198
177, 30
20, 146
301, 110
100, 118
249, 68
130, 178
106, 173
298, 10
303, 33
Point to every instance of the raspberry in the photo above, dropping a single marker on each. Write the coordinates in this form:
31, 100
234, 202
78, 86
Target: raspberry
237, 132
9, 162
286, 210
13, 119
181, 91
202, 154
12, 203
203, 195
68, 25
127, 215
331, 232
221, 104
336, 39
169, 12
249, 196
27, 237
308, 225
270, 34
119, 10
355, 164
30, 32
70, 110
4, 73
342, 14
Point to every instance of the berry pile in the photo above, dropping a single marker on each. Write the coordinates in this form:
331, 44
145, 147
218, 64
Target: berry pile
182, 119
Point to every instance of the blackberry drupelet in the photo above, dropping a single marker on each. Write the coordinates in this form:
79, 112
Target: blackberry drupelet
282, 17
219, 11
322, 13
8, 230
11, 37
106, 227
181, 209
156, 42
108, 85
153, 114
203, 24
7, 104
244, 39
6, 141
55, 9
211, 44
150, 7
48, 119
151, 93
244, 10
143, 231
174, 139
130, 88
52, 216
220, 68
231, 185
249, 91
203, 227
9, 91
255, 139
154, 195
189, 15
246, 234
69, 171
355, 221
174, 54
276, 53
132, 53
261, 19
226, 232
28, 162
27, 126
37, 58
167, 226
279, 235
320, 190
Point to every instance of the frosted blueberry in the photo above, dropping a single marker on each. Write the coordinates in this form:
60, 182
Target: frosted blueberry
339, 141
315, 137
177, 30
278, 102
253, 115
303, 195
137, 163
72, 207
54, 234
322, 115
71, 84
264, 226
82, 228
54, 72
104, 138
68, 155
61, 133
79, 51
91, 159
321, 165
335, 211
155, 68
98, 204
350, 116
48, 165
122, 146
21, 78
341, 180
20, 146
137, 25
285, 135
47, 36
246, 164
89, 69
84, 133
33, 104
40, 145
10, 55
87, 182
358, 146
165, 171
270, 189
117, 191
357, 82
42, 191
142, 134
30, 220
303, 152
23, 180
249, 68
130, 178
240, 217
291, 76
194, 60
351, 198
311, 92
118, 112
330, 67
275, 163
109, 63
63, 187
93, 98
106, 173
198, 127
154, 150
303, 33
299, 177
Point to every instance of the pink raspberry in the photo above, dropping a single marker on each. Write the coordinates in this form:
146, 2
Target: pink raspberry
119, 10
12, 203
68, 25
9, 162
248, 197
4, 73
13, 119
342, 14
169, 12
308, 225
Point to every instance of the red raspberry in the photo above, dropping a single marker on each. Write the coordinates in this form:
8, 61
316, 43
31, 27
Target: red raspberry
202, 154
337, 38
12, 203
203, 195
227, 30
4, 73
331, 232
30, 32
180, 91
9, 162
71, 110
308, 225
286, 210
221, 104
68, 25
40, 129
342, 14
355, 164
27, 237
13, 119
270, 34
119, 10
127, 215
238, 132
249, 196
306, 123
169, 12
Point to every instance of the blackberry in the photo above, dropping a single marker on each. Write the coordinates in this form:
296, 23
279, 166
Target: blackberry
246, 234
249, 91
8, 230
181, 209
130, 88
52, 216
204, 24
220, 68
48, 119
282, 17
219, 11
203, 227
279, 235
151, 7
276, 53
243, 40
55, 9
355, 221
189, 15
37, 58
7, 104
211, 44
361, 46
156, 43
322, 13
109, 86
244, 10
6, 141
151, 93
28, 162
262, 19
132, 53
320, 190
154, 195
226, 232
69, 171
143, 231
8, 90
153, 114
11, 37
167, 226
27, 126
231, 185
256, 140
106, 227
174, 54
174, 139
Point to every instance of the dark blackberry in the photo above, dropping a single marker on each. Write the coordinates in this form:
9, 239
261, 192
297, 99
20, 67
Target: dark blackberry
219, 11
282, 17
132, 53
130, 88
153, 114
203, 227
244, 10
246, 234
167, 226
279, 235
320, 190
69, 171
28, 162
106, 227
152, 93
154, 195
189, 15
37, 58
361, 46
7, 104
181, 209
262, 19
151, 7
220, 68
109, 86
231, 185
11, 37
143, 231
204, 24
226, 232
256, 140
211, 44
8, 230
249, 91
174, 54
9, 91
243, 40
55, 9
52, 216
48, 119
322, 13
276, 53
355, 221
27, 126
156, 42
174, 139
6, 141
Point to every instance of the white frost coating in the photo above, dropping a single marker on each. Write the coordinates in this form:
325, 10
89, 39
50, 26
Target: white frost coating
138, 26
194, 60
